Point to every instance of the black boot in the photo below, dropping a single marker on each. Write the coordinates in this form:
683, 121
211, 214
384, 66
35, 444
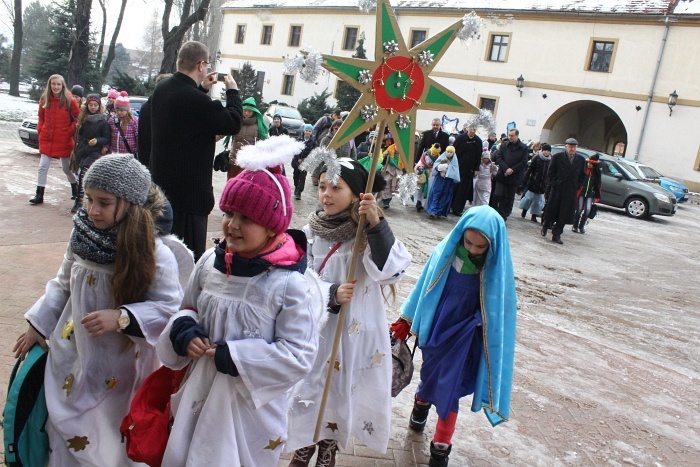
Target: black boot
385, 203
524, 213
73, 190
439, 454
533, 218
79, 195
584, 218
577, 216
419, 416
39, 196
419, 206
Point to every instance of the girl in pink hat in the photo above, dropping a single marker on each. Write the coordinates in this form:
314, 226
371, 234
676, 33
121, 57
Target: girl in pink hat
125, 128
247, 325
111, 97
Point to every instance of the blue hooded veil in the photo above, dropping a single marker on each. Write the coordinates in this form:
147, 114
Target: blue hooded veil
498, 307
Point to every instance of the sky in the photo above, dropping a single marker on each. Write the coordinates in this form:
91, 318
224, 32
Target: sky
136, 17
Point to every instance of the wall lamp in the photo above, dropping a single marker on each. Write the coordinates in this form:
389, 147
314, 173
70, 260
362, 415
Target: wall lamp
672, 101
520, 84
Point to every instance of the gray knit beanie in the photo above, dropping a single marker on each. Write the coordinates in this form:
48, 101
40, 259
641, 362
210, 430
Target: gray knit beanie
121, 175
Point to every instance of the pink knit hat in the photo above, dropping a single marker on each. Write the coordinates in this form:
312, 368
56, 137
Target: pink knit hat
261, 192
112, 94
123, 93
122, 103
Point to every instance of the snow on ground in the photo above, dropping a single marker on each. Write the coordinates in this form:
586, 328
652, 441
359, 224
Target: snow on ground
16, 109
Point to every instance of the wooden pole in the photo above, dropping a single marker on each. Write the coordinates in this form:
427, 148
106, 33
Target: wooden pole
351, 276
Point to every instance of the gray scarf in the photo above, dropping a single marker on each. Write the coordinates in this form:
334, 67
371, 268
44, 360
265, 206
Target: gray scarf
91, 243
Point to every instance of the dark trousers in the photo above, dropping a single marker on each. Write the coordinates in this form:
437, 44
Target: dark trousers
192, 229
557, 230
463, 192
299, 180
503, 197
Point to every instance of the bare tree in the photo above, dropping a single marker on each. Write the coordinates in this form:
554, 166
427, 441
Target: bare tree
80, 49
152, 44
100, 48
16, 48
172, 38
113, 42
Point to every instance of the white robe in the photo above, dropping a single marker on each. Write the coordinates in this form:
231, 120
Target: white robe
89, 382
359, 402
269, 326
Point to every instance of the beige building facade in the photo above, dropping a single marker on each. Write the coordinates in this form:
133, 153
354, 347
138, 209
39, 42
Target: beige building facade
588, 71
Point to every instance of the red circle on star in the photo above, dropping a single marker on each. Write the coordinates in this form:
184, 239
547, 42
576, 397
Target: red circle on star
385, 70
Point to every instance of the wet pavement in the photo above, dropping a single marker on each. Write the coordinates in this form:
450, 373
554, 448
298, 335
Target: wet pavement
607, 353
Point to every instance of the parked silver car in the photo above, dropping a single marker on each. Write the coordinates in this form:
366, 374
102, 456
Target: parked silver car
623, 187
27, 132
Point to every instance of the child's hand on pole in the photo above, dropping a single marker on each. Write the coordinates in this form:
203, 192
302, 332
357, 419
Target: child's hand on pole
368, 207
197, 347
345, 292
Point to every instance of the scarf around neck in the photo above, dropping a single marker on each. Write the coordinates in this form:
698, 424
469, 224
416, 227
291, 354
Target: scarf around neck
90, 243
466, 265
335, 227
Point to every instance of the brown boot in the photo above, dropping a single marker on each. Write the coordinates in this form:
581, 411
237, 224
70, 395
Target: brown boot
326, 453
302, 457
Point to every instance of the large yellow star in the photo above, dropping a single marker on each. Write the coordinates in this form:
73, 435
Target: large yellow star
395, 84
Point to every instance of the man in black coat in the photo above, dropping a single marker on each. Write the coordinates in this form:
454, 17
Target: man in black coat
430, 137
565, 176
468, 148
144, 142
511, 159
184, 125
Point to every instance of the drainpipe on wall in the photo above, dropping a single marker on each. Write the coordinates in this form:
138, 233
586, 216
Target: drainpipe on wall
651, 91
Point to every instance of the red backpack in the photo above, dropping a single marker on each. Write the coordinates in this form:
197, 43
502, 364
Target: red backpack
146, 427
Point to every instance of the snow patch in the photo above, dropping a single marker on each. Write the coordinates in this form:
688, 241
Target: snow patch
16, 109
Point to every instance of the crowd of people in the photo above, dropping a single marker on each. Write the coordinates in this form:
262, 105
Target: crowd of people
251, 322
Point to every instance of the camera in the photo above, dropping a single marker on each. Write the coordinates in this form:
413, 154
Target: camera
220, 77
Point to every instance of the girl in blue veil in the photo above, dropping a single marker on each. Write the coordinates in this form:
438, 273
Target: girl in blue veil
463, 312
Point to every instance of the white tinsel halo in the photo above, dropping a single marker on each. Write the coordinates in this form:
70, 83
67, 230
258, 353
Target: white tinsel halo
323, 156
307, 63
407, 187
483, 119
367, 5
268, 153
471, 28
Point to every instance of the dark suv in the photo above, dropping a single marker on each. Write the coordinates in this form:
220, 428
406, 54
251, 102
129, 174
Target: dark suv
623, 187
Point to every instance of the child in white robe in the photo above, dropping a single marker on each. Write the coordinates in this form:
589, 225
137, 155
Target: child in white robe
247, 326
359, 402
103, 314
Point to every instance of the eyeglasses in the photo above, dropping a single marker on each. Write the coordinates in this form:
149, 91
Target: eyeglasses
205, 62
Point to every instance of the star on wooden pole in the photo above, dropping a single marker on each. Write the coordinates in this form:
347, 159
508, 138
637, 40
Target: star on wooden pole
396, 83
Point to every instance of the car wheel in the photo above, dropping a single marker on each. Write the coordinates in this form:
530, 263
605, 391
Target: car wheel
637, 207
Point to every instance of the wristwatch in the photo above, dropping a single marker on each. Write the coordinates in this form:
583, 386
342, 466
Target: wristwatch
123, 319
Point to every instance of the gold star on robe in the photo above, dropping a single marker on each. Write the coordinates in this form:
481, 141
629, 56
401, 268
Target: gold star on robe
274, 443
67, 330
332, 426
78, 443
69, 384
138, 354
111, 383
354, 327
377, 358
336, 365
91, 280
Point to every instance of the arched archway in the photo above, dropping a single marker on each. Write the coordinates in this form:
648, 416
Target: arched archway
594, 125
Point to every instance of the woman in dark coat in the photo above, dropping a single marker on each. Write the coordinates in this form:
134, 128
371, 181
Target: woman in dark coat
588, 194
536, 182
94, 134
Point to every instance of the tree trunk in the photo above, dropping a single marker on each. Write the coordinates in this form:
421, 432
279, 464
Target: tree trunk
16, 50
172, 39
80, 50
100, 48
113, 43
